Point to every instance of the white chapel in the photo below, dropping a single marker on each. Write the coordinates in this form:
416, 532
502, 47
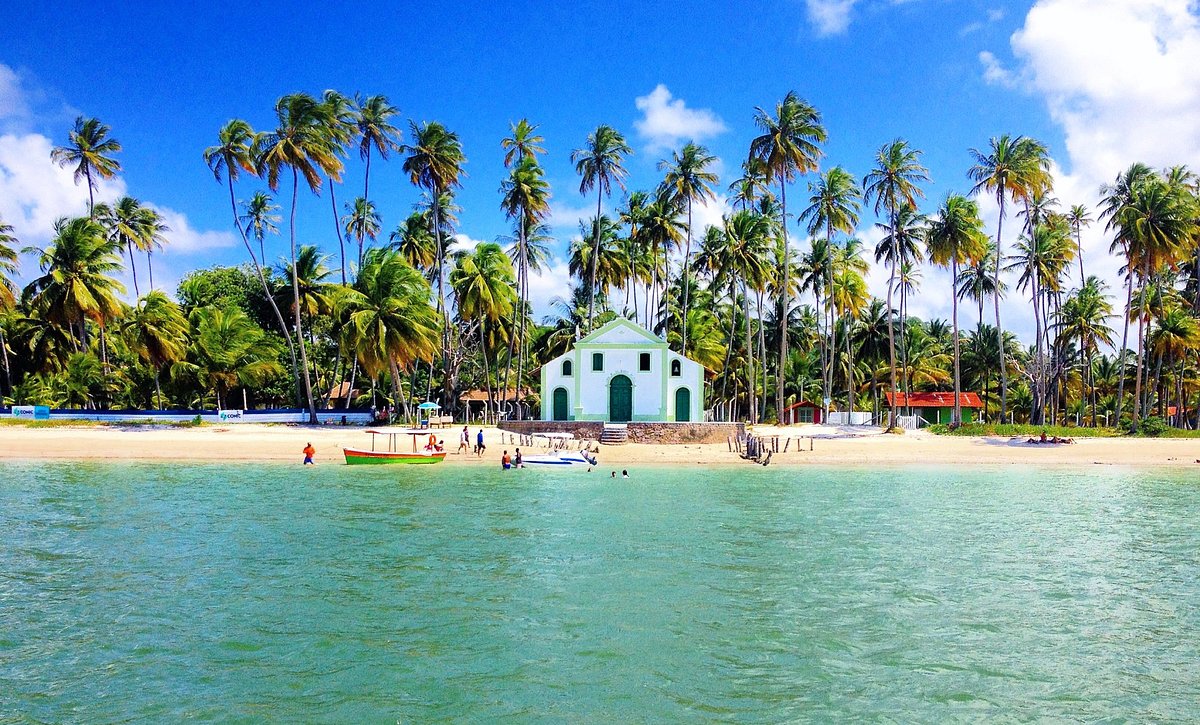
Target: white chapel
622, 373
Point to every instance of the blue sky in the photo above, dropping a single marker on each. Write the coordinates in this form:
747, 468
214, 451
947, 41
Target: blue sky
945, 74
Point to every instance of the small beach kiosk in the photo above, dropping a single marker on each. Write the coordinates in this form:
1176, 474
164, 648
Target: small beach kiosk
622, 373
802, 411
939, 407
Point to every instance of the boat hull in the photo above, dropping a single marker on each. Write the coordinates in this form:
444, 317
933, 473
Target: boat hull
355, 457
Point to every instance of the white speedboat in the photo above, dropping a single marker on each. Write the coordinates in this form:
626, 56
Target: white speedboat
560, 458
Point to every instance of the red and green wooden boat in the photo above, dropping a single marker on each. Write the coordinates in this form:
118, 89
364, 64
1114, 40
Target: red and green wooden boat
390, 453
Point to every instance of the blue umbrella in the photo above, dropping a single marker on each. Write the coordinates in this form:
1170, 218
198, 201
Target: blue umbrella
428, 406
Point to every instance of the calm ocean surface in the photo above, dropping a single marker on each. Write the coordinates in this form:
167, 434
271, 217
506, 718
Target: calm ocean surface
241, 592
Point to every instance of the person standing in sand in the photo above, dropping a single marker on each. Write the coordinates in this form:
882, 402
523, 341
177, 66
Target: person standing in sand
464, 440
309, 452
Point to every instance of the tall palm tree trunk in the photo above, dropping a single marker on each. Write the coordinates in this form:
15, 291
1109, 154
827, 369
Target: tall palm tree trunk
308, 394
687, 254
522, 293
442, 308
1124, 343
784, 291
595, 260
133, 269
750, 387
337, 227
7, 369
761, 305
957, 419
1137, 380
996, 305
892, 333
150, 267
262, 279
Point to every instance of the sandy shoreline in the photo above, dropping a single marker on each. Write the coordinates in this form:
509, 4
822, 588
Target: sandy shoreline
279, 443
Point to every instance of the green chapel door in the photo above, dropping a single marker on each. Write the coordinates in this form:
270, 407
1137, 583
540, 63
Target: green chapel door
620, 400
683, 405
560, 403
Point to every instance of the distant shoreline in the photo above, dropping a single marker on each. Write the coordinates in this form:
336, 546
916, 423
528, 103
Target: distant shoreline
283, 444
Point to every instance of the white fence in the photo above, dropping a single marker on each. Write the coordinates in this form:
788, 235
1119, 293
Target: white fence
851, 418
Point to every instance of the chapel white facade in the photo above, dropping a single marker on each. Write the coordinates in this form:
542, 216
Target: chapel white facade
622, 373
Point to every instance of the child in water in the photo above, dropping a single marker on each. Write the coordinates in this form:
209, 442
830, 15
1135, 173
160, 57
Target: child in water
309, 452
505, 461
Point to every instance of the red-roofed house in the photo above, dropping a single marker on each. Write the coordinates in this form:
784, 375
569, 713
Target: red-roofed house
802, 412
938, 407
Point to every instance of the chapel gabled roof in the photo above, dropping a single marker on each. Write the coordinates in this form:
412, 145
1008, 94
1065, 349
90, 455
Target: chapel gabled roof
596, 336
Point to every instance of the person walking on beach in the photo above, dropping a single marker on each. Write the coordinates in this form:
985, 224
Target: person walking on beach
505, 461
464, 440
309, 452
479, 446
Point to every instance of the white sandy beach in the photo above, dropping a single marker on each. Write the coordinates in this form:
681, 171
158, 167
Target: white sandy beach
830, 445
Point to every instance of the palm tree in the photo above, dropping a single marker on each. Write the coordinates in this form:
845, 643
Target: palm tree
663, 232
229, 349
483, 283
361, 222
523, 143
1085, 316
526, 200
388, 318
600, 163
955, 236
234, 154
1079, 218
833, 206
413, 239
1013, 168
301, 143
1176, 337
612, 265
157, 332
688, 180
434, 163
89, 149
340, 126
975, 281
893, 184
1157, 223
260, 219
848, 298
633, 214
76, 284
8, 265
373, 115
130, 225
786, 147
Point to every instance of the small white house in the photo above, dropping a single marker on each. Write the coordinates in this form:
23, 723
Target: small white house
621, 373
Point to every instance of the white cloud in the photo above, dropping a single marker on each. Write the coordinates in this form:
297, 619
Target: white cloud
553, 281
564, 214
183, 239
666, 121
462, 243
830, 17
34, 191
1121, 78
707, 213
13, 106
995, 73
1122, 81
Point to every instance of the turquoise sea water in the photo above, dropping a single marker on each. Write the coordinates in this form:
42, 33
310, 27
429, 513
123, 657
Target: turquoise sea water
244, 592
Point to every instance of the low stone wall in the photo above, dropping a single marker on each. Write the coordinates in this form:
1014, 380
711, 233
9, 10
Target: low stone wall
660, 433
582, 430
676, 433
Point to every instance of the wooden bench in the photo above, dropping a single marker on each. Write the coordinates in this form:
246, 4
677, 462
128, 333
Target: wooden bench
441, 421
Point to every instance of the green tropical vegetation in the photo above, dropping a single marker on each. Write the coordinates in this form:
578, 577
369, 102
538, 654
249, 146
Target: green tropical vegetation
773, 299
